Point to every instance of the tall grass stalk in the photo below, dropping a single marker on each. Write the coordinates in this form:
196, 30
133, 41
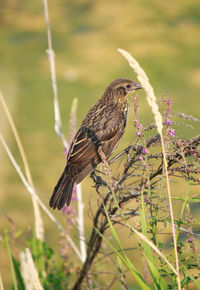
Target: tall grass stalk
50, 51
80, 204
1, 283
32, 192
29, 271
58, 127
80, 220
151, 99
38, 219
14, 279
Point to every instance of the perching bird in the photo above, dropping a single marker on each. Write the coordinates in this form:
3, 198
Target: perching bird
103, 126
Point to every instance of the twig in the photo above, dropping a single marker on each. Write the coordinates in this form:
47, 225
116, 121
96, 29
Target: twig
106, 167
186, 117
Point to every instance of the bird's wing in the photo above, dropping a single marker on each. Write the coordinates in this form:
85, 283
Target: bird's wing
83, 155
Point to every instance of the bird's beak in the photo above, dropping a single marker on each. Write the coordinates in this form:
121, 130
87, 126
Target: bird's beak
138, 87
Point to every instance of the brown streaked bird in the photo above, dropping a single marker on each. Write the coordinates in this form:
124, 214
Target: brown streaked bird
103, 126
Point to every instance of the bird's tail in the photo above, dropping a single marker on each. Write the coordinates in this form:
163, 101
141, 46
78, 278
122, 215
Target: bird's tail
62, 192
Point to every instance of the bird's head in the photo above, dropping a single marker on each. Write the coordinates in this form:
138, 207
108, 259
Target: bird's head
122, 88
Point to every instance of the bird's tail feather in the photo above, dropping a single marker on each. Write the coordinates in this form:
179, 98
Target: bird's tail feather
62, 192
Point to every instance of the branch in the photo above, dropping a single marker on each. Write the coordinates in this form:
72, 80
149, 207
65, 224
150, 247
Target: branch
100, 222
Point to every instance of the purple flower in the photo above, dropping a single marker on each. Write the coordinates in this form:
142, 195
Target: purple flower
68, 210
195, 154
172, 132
74, 189
141, 157
74, 197
70, 221
190, 240
168, 122
140, 127
145, 151
64, 209
168, 102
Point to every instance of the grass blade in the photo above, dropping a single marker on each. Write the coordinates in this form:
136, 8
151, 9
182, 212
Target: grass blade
11, 264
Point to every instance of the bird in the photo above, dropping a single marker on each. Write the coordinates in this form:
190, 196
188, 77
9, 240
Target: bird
102, 127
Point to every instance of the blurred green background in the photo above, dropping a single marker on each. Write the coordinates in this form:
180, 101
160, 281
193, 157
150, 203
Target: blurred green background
164, 36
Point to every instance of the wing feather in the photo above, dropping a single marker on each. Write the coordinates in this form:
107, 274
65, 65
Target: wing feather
83, 155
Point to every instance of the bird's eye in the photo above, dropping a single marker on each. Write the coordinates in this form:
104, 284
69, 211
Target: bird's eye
128, 86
